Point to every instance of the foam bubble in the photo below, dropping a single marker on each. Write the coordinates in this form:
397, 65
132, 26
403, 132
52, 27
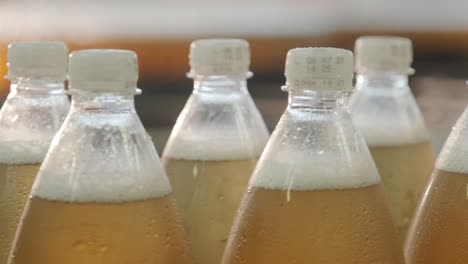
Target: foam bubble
316, 172
213, 145
14, 152
28, 126
99, 187
102, 158
454, 155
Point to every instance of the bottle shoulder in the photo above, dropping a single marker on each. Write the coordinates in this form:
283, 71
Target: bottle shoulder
314, 130
27, 127
393, 118
102, 156
227, 129
452, 157
402, 100
34, 111
312, 150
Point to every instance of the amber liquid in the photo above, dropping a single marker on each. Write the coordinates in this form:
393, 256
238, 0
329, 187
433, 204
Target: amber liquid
145, 231
316, 226
404, 170
439, 232
208, 194
15, 185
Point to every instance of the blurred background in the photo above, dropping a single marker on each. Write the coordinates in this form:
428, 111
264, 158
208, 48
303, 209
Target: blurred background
160, 31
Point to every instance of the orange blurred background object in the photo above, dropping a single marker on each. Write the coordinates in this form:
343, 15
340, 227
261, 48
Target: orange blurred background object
161, 31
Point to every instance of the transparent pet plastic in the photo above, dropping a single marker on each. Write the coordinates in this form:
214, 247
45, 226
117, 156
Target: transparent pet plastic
101, 195
209, 158
315, 146
104, 144
29, 119
438, 232
315, 195
219, 122
385, 111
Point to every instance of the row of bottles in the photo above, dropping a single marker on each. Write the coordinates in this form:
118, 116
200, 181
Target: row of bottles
101, 194
315, 195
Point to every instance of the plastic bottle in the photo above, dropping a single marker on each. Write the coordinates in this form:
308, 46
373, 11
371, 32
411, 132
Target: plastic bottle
215, 144
101, 195
315, 195
385, 111
30, 117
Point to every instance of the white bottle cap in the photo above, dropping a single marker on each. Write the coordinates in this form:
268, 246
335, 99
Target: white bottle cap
106, 70
46, 59
319, 69
383, 54
219, 57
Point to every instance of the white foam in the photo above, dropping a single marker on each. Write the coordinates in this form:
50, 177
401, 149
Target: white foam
454, 155
17, 152
104, 158
290, 171
98, 187
388, 133
27, 126
216, 145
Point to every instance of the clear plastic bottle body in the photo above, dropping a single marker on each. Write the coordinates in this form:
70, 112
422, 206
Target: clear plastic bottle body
439, 231
385, 111
315, 195
29, 119
101, 195
209, 158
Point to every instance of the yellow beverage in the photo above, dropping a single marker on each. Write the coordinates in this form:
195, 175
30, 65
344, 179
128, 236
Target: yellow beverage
15, 185
315, 195
404, 170
439, 233
208, 196
326, 226
101, 195
141, 231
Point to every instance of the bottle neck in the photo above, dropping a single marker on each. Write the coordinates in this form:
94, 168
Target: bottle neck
37, 87
220, 84
317, 100
382, 81
89, 101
